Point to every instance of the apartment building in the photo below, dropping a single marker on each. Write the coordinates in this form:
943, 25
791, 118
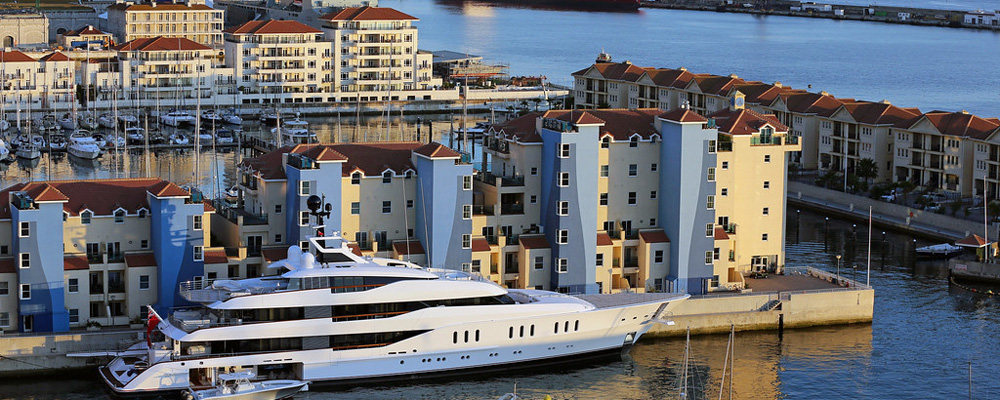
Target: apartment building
652, 213
162, 68
192, 20
27, 82
858, 130
404, 200
82, 251
272, 57
86, 37
953, 151
375, 50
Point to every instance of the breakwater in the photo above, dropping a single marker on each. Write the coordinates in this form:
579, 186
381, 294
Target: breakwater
872, 13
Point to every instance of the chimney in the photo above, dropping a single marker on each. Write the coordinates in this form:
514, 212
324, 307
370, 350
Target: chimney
777, 84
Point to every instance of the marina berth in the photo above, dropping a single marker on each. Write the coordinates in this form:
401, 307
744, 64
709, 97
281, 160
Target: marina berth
338, 318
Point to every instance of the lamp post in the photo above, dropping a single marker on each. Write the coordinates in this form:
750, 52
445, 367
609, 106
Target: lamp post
838, 269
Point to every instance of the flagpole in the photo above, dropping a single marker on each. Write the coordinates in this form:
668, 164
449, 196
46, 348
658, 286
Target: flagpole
868, 279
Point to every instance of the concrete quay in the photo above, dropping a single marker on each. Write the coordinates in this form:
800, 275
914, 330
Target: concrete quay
872, 13
23, 355
803, 297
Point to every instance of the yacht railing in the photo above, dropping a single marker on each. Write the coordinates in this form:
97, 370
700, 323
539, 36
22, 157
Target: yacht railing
204, 291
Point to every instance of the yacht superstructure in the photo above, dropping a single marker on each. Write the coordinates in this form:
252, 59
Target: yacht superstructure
336, 317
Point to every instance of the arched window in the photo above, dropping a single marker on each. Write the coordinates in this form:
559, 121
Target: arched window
8, 41
356, 178
119, 216
633, 142
387, 177
85, 217
605, 142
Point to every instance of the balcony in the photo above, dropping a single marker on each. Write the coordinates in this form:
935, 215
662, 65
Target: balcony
238, 216
479, 209
766, 141
729, 228
116, 287
509, 209
505, 181
726, 146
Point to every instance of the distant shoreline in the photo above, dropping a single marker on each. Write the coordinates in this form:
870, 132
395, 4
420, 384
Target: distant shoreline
885, 14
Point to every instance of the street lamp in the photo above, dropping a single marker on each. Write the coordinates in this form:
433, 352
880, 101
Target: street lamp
838, 269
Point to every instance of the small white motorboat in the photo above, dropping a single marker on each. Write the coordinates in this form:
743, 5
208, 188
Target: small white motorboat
177, 118
83, 145
67, 121
231, 117
943, 250
128, 120
107, 120
237, 386
4, 125
87, 121
135, 135
179, 139
57, 142
28, 151
210, 116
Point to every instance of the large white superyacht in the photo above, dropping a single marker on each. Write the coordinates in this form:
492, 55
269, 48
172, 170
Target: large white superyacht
338, 318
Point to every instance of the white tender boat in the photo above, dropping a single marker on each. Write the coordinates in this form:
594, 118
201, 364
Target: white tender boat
178, 118
67, 121
87, 121
231, 117
107, 120
943, 250
135, 135
83, 145
178, 138
295, 131
337, 318
210, 116
127, 120
57, 142
238, 386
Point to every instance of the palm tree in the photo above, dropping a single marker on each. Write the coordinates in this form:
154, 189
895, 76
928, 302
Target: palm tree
866, 168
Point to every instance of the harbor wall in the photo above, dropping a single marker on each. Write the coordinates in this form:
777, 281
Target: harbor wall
975, 271
30, 355
893, 216
754, 312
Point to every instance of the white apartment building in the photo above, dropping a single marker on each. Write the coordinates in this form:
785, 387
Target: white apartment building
272, 58
163, 68
375, 50
192, 20
26, 82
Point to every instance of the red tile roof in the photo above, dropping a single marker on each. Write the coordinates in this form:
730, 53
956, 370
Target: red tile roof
101, 196
534, 242
54, 57
972, 241
75, 262
86, 30
745, 121
521, 129
960, 123
408, 247
683, 115
673, 78
216, 256
480, 245
871, 113
140, 260
272, 26
208, 206
274, 253
617, 71
621, 124
654, 236
161, 43
355, 248
821, 104
763, 93
158, 7
167, 189
369, 158
368, 14
436, 150
720, 234
14, 56
603, 239
7, 266
716, 84
319, 153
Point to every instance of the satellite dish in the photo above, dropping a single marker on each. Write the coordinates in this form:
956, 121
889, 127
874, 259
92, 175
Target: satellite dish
308, 261
294, 260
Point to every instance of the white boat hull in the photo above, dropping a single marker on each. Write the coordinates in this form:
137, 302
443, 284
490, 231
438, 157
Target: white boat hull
273, 390
84, 154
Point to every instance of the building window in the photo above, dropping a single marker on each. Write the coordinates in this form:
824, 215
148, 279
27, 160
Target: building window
467, 211
564, 179
711, 174
85, 217
633, 142
143, 282
539, 262
563, 208
631, 198
355, 208
119, 216
534, 171
356, 178
605, 142
658, 256
604, 171
466, 241
715, 253
387, 177
277, 208
767, 184
564, 150
303, 218
477, 265
144, 243
4, 289
763, 237
467, 182
725, 165
652, 194
74, 315
653, 167
199, 253
724, 192
4, 319
711, 146
4, 249
562, 265
604, 199
25, 229
710, 202
766, 210
73, 285
409, 204
709, 229
562, 236
25, 260
303, 188
142, 213
633, 170
197, 222
277, 238
652, 222
386, 207
25, 292
708, 257
600, 259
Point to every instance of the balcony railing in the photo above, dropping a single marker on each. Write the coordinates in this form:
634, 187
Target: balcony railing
116, 287
724, 146
505, 181
235, 214
506, 209
730, 228
478, 209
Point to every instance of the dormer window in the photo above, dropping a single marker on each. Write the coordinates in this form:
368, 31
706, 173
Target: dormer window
633, 142
356, 178
119, 216
85, 217
605, 142
142, 213
387, 177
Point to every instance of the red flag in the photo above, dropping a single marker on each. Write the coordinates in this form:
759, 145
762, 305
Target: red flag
153, 321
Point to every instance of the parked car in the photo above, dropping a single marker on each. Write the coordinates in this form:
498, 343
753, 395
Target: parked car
891, 196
